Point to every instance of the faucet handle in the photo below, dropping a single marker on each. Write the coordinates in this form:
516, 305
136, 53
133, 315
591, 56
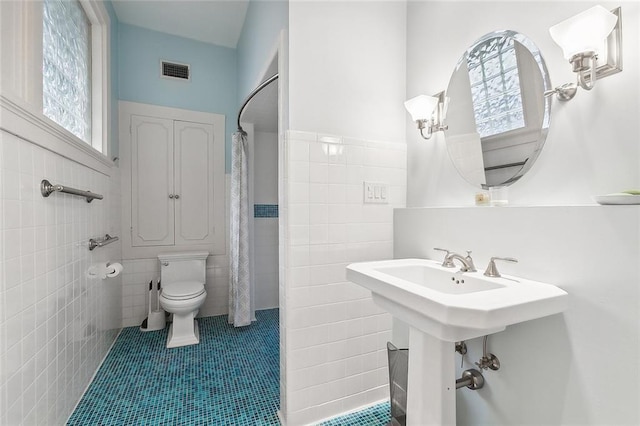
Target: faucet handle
446, 262
492, 271
471, 267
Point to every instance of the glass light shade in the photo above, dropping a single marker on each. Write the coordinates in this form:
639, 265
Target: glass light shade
584, 32
421, 107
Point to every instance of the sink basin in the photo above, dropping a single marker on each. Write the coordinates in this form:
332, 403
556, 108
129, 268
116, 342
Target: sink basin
451, 305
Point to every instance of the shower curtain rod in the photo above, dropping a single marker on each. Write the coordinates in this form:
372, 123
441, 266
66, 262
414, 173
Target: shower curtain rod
251, 95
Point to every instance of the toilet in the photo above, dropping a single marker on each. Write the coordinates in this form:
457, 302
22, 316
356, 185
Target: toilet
182, 278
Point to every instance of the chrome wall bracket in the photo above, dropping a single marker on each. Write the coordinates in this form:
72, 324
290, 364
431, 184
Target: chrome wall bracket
101, 242
461, 347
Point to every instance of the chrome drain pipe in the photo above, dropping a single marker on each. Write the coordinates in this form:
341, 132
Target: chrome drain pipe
470, 378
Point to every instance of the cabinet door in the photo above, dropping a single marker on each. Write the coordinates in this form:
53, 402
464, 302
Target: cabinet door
194, 183
152, 209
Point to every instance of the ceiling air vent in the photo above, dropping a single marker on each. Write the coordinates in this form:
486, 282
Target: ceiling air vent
174, 70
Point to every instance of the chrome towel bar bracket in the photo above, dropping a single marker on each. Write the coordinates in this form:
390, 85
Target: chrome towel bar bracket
47, 188
100, 242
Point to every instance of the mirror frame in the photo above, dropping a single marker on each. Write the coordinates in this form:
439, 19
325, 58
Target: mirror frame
546, 116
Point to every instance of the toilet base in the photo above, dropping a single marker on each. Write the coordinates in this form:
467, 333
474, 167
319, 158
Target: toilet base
184, 336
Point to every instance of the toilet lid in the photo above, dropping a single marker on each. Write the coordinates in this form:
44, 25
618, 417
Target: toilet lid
183, 290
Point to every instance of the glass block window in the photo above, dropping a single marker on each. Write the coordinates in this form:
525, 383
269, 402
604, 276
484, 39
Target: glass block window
66, 66
495, 86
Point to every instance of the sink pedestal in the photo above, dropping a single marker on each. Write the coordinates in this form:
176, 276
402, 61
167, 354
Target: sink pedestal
431, 386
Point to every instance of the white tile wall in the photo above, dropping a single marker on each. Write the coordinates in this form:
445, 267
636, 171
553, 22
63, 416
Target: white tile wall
333, 336
56, 323
266, 263
265, 230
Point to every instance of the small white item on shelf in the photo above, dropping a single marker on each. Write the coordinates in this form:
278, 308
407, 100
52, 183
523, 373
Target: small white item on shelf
618, 198
499, 196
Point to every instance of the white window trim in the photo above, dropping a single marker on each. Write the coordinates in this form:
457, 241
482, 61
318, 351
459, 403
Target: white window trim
100, 75
21, 84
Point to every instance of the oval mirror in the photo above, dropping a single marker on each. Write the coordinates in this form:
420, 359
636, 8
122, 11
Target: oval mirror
497, 114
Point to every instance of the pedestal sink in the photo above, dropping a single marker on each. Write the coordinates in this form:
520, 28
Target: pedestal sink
443, 306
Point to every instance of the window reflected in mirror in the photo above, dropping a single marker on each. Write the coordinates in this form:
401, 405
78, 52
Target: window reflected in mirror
497, 115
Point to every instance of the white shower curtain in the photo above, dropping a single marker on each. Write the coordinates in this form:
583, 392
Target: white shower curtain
239, 282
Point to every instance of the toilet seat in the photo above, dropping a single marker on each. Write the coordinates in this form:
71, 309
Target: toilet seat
182, 290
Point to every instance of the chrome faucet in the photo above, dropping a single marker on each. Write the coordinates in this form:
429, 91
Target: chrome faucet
467, 261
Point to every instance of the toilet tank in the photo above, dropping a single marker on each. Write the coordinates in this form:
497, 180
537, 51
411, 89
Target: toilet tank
186, 266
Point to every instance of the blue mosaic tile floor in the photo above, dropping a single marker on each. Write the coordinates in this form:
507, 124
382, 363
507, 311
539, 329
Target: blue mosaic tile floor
376, 415
230, 378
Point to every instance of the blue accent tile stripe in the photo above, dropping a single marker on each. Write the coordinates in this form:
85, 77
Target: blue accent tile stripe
265, 210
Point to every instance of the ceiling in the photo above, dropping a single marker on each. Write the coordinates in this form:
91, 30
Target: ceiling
217, 22
214, 21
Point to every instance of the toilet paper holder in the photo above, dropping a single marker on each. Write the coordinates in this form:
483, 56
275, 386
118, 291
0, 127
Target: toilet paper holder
105, 270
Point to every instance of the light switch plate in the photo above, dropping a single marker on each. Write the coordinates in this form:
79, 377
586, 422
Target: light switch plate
375, 193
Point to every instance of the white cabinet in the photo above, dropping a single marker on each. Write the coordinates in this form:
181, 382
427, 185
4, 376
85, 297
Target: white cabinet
152, 211
175, 181
171, 182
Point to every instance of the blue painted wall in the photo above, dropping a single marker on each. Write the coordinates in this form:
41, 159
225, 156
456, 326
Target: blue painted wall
258, 40
213, 85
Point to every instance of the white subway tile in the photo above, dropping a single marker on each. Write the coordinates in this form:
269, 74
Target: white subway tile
337, 194
318, 234
318, 214
299, 214
318, 193
298, 150
298, 235
318, 173
299, 277
11, 214
296, 135
298, 193
354, 175
11, 243
318, 153
330, 139
10, 184
337, 173
299, 256
299, 171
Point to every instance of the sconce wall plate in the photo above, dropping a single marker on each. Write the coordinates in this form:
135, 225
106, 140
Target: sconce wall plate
610, 62
590, 58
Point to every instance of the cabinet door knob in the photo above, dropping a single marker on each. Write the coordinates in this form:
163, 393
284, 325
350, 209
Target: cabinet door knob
177, 196
170, 195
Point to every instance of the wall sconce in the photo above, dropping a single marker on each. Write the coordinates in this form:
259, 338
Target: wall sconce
592, 42
428, 112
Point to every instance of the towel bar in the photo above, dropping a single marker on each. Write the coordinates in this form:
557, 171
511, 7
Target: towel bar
47, 188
